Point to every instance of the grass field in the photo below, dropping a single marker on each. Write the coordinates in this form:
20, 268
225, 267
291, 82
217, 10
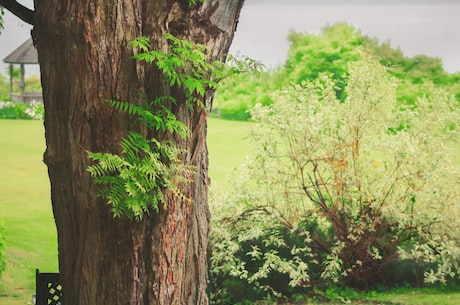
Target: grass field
228, 148
25, 207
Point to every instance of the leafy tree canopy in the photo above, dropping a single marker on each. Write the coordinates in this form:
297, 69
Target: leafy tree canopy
330, 52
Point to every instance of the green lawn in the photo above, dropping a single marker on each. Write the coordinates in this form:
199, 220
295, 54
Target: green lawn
25, 207
425, 296
228, 148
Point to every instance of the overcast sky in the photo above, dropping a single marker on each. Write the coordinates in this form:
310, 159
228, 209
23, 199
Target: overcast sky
428, 27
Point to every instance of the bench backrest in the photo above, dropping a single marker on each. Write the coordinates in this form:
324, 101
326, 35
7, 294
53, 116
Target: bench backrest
48, 288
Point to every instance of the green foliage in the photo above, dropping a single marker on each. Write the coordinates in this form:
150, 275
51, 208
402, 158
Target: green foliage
239, 93
135, 182
185, 65
33, 84
338, 294
21, 111
12, 110
340, 189
310, 55
154, 115
36, 111
4, 87
329, 53
193, 2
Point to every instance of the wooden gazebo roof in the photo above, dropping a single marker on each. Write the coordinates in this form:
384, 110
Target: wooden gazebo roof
24, 54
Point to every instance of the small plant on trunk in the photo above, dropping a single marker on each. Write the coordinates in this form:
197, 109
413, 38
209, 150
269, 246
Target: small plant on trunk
135, 180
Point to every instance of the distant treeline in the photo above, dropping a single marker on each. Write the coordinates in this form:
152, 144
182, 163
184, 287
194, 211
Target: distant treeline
329, 52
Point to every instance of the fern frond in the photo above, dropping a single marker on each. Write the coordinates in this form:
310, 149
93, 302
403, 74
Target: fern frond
142, 43
134, 183
128, 107
137, 182
106, 164
116, 195
134, 145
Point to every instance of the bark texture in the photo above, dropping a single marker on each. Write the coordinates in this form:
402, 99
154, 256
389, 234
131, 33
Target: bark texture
85, 58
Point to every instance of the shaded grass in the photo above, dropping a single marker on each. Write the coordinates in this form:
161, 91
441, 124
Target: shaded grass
423, 296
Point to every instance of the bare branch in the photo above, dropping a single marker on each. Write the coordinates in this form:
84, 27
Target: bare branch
25, 14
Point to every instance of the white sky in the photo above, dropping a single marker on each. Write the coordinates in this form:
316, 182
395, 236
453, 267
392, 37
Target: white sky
430, 27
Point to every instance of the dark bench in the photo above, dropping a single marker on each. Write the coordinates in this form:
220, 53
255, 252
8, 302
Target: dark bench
48, 290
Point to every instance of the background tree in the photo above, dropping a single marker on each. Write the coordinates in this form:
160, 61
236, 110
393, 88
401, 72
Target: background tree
329, 52
85, 55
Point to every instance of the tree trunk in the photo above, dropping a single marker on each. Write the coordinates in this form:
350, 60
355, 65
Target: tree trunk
85, 58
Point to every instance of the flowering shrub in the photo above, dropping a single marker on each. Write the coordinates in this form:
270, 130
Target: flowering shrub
23, 111
342, 191
36, 110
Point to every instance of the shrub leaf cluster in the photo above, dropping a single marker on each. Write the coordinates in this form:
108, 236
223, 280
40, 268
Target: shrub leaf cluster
342, 191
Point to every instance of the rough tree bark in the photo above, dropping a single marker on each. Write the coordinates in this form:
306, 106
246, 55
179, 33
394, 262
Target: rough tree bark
85, 58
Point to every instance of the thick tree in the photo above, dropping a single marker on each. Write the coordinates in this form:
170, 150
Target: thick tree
85, 58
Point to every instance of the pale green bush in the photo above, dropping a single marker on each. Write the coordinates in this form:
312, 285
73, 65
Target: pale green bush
339, 191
